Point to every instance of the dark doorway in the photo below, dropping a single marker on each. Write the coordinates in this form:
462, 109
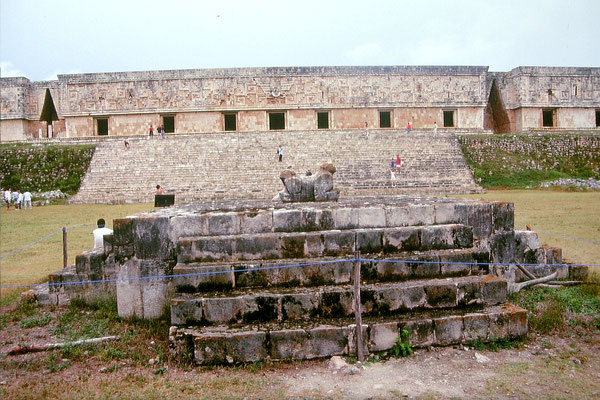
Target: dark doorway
323, 120
547, 118
385, 119
448, 118
102, 126
230, 122
597, 118
169, 123
496, 117
276, 121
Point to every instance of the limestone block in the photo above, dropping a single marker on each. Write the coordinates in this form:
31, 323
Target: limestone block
343, 271
263, 247
197, 277
499, 325
450, 213
401, 239
421, 214
250, 275
480, 219
151, 238
413, 296
313, 245
448, 330
369, 241
228, 348
469, 293
397, 216
517, 320
261, 308
420, 332
505, 249
503, 215
392, 298
186, 311
425, 268
345, 218
223, 223
437, 237
456, 264
578, 272
334, 304
327, 341
123, 238
291, 344
529, 239
371, 217
351, 347
316, 219
211, 348
391, 270
260, 221
441, 295
189, 225
494, 290
287, 220
299, 305
476, 327
220, 310
129, 297
338, 243
382, 336
292, 245
204, 249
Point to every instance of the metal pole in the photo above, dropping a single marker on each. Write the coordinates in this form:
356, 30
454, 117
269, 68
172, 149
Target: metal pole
65, 258
357, 309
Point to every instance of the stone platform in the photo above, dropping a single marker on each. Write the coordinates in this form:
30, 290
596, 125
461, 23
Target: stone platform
250, 280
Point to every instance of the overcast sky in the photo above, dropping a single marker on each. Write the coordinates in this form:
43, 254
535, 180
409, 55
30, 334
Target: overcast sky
42, 38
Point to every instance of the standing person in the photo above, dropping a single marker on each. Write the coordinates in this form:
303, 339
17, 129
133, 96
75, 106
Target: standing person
100, 232
408, 127
159, 189
393, 177
126, 143
366, 130
27, 200
398, 162
20, 199
280, 153
435, 127
151, 131
15, 198
162, 132
393, 164
7, 198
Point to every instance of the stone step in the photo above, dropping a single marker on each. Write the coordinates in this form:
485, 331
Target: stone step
252, 306
203, 277
311, 340
265, 246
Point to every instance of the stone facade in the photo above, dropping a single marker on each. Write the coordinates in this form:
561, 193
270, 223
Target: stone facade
258, 99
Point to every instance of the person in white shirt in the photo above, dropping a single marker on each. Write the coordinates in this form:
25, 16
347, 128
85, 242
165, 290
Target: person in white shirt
99, 233
8, 198
20, 199
27, 200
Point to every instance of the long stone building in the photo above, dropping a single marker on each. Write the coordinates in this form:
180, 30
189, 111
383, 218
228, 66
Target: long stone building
463, 98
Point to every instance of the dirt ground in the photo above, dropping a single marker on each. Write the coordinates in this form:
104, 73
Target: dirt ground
542, 367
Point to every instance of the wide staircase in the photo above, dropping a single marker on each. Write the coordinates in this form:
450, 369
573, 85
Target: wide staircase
245, 166
279, 284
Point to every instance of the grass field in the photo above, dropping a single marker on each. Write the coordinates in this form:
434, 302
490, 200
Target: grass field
574, 214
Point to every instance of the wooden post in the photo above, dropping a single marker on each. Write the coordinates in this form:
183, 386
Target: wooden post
357, 309
232, 276
65, 258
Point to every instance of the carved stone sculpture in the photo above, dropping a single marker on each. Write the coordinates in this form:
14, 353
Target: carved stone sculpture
309, 188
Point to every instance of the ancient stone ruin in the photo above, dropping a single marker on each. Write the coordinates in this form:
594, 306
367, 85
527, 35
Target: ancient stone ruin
261, 280
310, 187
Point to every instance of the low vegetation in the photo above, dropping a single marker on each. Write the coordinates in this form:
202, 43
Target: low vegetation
524, 161
44, 167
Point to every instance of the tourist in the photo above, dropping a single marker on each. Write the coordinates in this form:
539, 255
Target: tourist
366, 130
162, 131
20, 199
159, 189
7, 198
280, 153
27, 200
398, 162
393, 177
99, 234
393, 164
151, 131
15, 198
126, 143
408, 127
435, 127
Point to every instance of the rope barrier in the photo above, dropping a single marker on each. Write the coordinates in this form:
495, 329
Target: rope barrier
228, 271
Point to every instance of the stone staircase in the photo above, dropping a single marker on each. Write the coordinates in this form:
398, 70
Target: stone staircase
277, 283
244, 165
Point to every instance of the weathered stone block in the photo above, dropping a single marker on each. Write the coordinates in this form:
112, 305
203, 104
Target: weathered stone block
299, 305
351, 348
338, 243
503, 215
441, 295
229, 348
291, 344
397, 216
456, 264
369, 241
198, 277
189, 225
493, 290
392, 298
503, 248
317, 219
327, 341
260, 221
266, 247
223, 223
382, 336
469, 293
371, 217
414, 297
251, 275
421, 332
425, 268
204, 249
450, 213
261, 308
151, 238
448, 330
476, 327
499, 325
421, 214
313, 245
287, 220
403, 239
578, 272
292, 245
393, 270
219, 310
186, 311
437, 237
345, 218
517, 320
480, 219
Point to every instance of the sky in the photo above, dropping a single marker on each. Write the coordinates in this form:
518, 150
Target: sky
40, 39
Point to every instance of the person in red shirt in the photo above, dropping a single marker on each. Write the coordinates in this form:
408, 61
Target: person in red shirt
398, 162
